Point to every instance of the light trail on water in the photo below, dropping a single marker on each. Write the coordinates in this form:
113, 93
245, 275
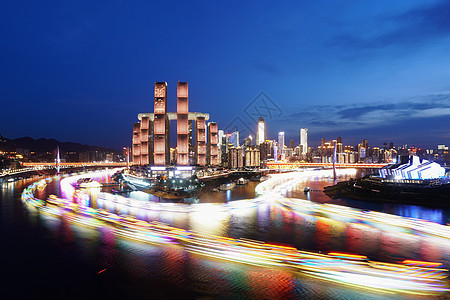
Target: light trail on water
409, 276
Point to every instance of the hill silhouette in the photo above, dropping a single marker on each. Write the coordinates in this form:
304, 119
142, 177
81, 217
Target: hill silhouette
42, 145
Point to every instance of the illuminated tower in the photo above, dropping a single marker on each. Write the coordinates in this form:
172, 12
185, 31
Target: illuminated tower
161, 129
136, 143
260, 136
182, 124
235, 138
339, 147
151, 136
213, 141
281, 141
146, 147
220, 134
200, 143
304, 140
58, 160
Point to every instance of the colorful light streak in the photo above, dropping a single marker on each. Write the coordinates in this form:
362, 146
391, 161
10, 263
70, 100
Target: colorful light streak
278, 184
376, 220
415, 277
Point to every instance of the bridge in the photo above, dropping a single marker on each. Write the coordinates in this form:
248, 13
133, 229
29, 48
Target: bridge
42, 168
299, 165
75, 164
39, 167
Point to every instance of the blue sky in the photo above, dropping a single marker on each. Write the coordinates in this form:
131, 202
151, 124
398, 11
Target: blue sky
81, 71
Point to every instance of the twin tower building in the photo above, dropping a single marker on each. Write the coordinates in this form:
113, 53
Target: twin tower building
151, 135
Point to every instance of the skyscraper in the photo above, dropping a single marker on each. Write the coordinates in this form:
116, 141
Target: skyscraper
182, 124
365, 144
260, 136
146, 141
137, 143
213, 140
161, 128
220, 134
280, 143
200, 144
339, 146
248, 141
281, 139
235, 158
235, 138
151, 136
304, 140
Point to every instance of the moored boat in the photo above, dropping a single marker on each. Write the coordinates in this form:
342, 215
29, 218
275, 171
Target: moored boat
227, 186
181, 183
242, 181
412, 181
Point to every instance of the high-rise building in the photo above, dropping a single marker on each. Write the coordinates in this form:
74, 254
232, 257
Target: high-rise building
146, 141
298, 150
339, 146
275, 152
182, 124
252, 156
225, 142
304, 140
235, 138
235, 157
126, 155
151, 136
161, 129
281, 138
220, 134
213, 140
191, 126
365, 144
266, 150
291, 144
260, 136
136, 143
248, 141
200, 143
280, 142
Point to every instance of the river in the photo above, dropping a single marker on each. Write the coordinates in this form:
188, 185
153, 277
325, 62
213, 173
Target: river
49, 257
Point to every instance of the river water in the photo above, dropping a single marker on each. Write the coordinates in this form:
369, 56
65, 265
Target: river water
49, 257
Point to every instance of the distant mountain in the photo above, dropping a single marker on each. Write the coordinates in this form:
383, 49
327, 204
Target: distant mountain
47, 145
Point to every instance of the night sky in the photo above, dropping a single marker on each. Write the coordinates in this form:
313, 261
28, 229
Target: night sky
81, 71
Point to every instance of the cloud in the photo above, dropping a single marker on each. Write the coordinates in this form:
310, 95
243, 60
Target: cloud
338, 117
414, 27
419, 121
399, 110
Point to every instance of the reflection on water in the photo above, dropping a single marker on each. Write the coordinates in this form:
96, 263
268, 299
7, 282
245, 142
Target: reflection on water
141, 270
438, 215
209, 219
413, 211
271, 223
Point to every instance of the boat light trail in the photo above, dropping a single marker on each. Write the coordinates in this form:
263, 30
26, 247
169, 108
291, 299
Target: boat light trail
409, 276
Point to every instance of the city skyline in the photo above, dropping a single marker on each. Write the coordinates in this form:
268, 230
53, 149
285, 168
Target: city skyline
222, 150
377, 71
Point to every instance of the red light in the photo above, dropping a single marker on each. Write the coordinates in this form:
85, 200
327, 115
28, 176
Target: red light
424, 263
347, 255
